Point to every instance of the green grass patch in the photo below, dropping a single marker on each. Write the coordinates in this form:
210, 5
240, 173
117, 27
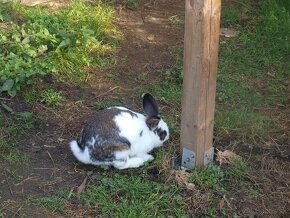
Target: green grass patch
40, 41
121, 196
210, 177
10, 153
132, 196
15, 156
53, 203
259, 53
31, 96
242, 123
238, 170
229, 17
13, 124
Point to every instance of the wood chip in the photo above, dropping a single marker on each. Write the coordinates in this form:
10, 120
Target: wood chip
82, 186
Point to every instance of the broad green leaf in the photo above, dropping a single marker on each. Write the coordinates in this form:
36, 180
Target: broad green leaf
26, 40
7, 108
64, 43
7, 85
12, 92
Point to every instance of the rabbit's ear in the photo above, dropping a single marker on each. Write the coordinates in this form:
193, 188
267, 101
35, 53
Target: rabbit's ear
150, 106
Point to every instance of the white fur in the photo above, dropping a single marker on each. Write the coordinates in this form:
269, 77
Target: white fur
82, 156
130, 128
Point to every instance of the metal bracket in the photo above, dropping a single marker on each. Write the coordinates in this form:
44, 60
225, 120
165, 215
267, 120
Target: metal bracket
188, 158
208, 156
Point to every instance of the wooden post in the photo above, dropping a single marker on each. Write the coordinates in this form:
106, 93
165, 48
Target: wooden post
201, 40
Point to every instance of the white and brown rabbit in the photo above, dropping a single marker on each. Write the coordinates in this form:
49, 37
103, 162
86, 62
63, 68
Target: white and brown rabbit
120, 137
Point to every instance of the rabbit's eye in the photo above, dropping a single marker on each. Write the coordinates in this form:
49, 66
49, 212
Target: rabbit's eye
161, 134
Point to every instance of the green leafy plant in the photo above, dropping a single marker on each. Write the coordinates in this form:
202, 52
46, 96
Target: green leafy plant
25, 116
52, 98
64, 41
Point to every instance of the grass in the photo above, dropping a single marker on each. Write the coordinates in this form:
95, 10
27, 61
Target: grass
15, 156
40, 41
12, 125
132, 196
105, 104
252, 75
31, 96
242, 123
210, 177
122, 196
10, 153
238, 170
53, 203
229, 17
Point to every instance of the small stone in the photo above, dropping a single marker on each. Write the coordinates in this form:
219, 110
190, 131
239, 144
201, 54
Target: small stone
190, 186
151, 38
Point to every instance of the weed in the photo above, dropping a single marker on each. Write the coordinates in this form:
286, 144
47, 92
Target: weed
52, 98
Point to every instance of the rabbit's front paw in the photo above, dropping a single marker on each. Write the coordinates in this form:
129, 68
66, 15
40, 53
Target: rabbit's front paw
147, 157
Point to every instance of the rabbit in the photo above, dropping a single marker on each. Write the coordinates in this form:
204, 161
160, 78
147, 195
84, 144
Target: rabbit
120, 137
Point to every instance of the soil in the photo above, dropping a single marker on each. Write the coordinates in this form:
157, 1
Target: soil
148, 35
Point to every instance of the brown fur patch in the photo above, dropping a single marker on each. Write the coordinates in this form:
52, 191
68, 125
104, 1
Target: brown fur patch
152, 122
